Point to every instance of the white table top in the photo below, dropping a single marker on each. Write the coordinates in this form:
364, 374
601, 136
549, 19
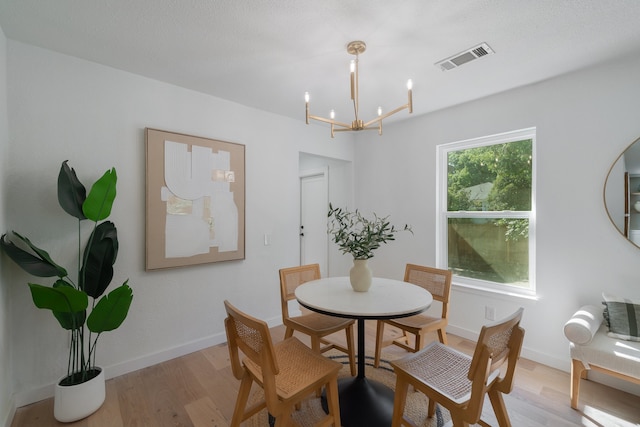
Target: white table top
387, 298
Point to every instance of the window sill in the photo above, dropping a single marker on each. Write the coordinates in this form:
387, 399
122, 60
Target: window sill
483, 291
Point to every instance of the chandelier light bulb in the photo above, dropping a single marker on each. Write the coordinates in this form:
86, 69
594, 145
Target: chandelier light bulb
306, 97
379, 111
332, 114
409, 84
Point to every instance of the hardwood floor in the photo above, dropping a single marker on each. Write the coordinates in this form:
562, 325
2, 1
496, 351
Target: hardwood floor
199, 390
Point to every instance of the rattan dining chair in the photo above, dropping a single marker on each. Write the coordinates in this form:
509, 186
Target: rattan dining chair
288, 371
459, 382
316, 325
438, 283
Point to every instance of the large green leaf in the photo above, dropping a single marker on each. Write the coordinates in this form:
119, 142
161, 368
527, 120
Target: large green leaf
63, 299
111, 310
69, 321
71, 192
40, 266
98, 204
99, 257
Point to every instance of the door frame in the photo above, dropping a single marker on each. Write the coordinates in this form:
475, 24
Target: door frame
308, 173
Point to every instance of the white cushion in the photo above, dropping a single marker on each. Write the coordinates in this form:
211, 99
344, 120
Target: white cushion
583, 325
611, 353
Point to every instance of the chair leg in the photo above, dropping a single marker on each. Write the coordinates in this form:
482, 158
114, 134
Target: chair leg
419, 342
458, 420
500, 410
405, 337
379, 335
284, 418
442, 336
578, 371
399, 402
315, 346
333, 402
351, 349
431, 411
241, 401
288, 333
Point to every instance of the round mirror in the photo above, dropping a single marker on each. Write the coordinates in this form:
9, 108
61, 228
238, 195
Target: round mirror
622, 193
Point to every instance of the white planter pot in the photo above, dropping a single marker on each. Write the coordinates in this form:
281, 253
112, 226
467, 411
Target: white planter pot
360, 275
72, 403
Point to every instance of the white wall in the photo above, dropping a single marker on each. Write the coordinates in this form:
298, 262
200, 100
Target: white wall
584, 121
6, 400
65, 108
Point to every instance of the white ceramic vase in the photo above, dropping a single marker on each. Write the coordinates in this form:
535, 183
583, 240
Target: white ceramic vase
360, 275
636, 206
72, 403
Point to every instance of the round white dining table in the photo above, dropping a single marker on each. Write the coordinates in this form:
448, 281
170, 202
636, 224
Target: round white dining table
364, 402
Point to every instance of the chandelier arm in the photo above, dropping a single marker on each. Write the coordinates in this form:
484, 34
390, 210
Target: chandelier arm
332, 122
384, 116
347, 130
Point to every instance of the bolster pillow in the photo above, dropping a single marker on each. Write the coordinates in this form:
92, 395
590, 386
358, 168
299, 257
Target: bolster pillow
583, 325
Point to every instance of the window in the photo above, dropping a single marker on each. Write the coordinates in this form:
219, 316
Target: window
486, 211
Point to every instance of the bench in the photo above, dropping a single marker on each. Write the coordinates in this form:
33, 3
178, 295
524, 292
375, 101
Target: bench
592, 348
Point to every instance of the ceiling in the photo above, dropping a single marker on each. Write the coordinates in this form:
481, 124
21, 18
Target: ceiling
267, 53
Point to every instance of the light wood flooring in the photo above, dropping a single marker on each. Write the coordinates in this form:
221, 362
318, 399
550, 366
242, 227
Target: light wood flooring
199, 390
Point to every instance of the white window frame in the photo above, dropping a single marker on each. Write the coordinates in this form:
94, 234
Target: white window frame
443, 215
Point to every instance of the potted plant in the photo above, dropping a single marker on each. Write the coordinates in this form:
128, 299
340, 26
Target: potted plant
68, 300
360, 236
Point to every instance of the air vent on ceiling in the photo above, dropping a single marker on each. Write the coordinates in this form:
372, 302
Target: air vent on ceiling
457, 60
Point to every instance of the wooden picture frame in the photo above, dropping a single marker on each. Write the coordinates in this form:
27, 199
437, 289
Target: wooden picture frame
195, 200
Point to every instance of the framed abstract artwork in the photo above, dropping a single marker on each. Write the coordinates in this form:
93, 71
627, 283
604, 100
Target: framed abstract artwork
195, 200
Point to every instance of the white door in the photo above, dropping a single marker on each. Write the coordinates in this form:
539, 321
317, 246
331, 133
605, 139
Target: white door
314, 205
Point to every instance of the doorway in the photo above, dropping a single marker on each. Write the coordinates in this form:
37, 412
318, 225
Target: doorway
322, 180
314, 202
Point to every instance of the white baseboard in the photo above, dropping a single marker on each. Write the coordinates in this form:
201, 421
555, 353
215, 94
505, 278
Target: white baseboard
44, 392
527, 353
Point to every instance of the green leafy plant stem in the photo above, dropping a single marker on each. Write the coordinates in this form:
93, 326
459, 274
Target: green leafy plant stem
360, 236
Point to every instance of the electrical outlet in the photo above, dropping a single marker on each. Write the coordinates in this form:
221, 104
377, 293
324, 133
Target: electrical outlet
489, 313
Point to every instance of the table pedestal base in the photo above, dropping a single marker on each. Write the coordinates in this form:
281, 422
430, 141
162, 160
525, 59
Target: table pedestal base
363, 403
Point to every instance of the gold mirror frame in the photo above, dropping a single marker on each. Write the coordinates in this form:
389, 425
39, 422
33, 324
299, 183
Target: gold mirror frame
621, 191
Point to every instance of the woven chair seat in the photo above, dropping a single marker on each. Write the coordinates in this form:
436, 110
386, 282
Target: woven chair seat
443, 369
319, 323
292, 355
417, 321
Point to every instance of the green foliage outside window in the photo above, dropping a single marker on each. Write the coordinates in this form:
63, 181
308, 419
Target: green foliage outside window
492, 178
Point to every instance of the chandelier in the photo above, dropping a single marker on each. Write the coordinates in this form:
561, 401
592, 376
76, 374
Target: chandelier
356, 48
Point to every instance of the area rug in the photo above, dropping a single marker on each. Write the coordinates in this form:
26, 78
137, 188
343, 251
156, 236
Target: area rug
311, 409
